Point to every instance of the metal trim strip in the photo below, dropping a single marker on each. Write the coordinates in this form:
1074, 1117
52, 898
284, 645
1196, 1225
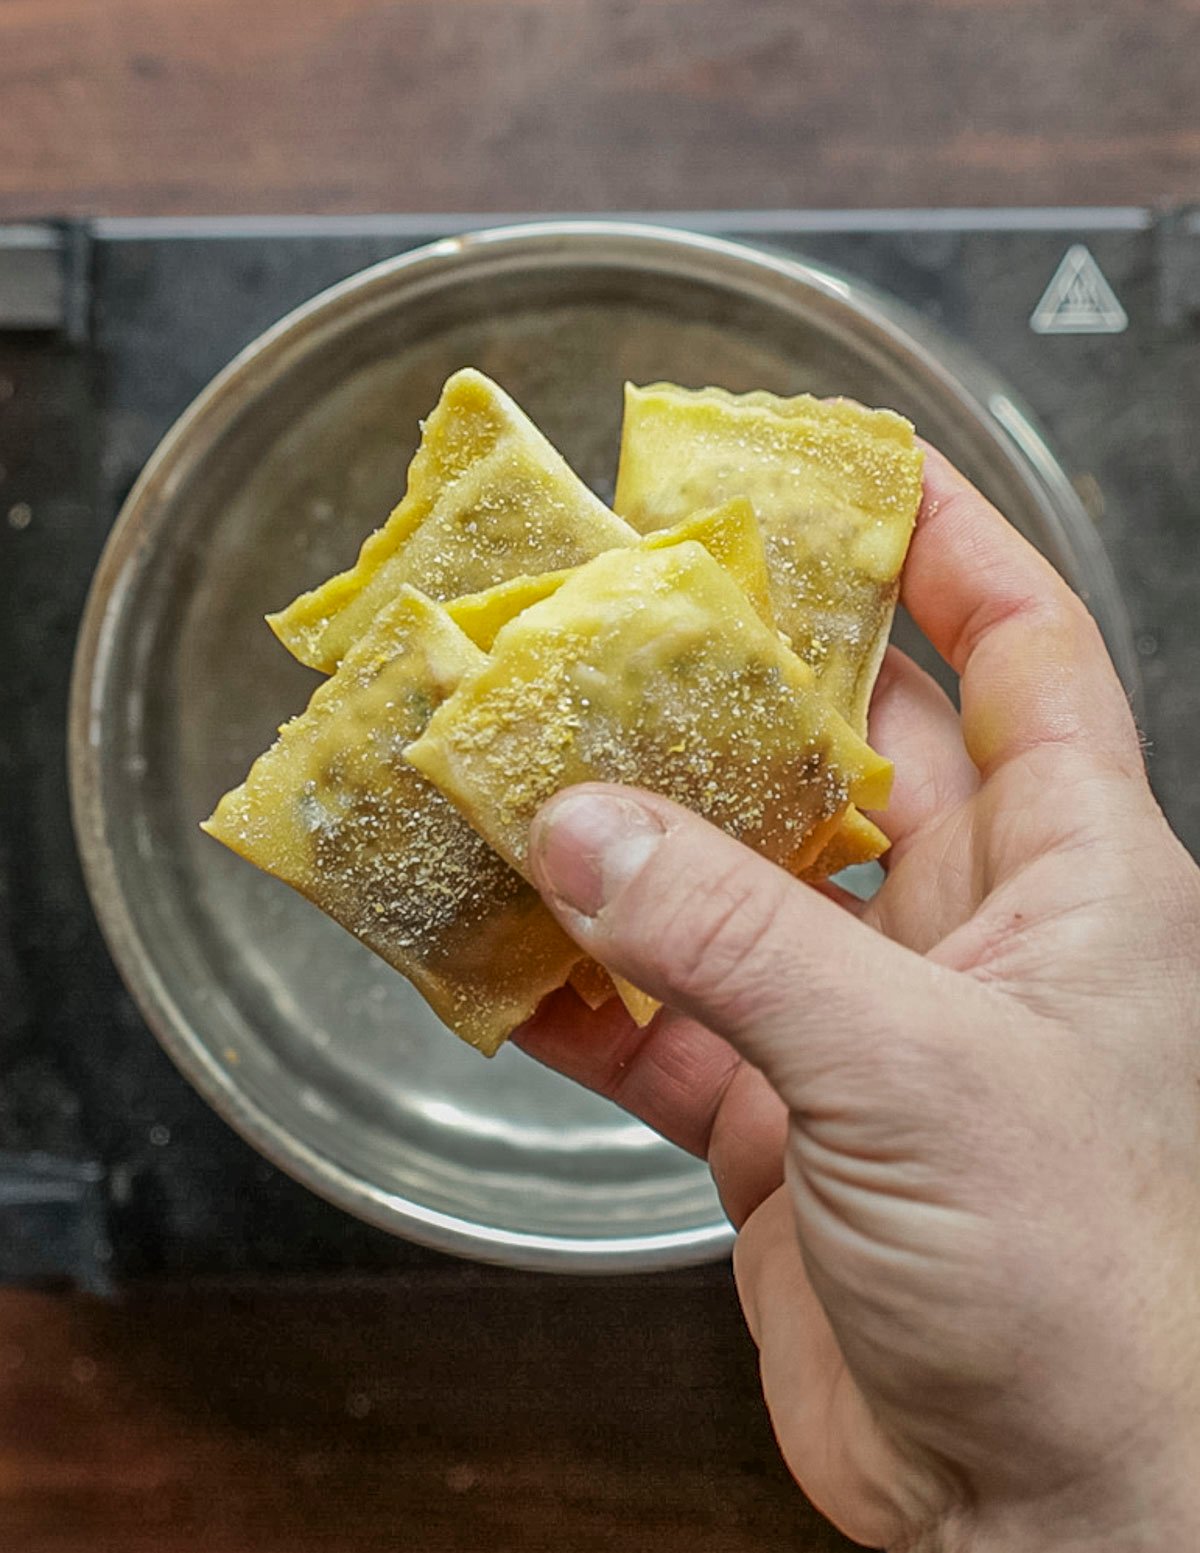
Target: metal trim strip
1083, 218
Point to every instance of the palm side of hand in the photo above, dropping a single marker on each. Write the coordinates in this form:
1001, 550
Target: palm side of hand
1031, 872
886, 1322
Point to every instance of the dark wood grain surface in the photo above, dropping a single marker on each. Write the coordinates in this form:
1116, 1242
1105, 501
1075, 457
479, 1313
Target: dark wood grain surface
469, 1411
461, 1414
347, 105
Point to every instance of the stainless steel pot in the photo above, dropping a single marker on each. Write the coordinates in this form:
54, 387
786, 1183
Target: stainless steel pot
315, 1051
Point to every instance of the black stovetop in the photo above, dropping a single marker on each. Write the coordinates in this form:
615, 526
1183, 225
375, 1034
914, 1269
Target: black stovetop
110, 1166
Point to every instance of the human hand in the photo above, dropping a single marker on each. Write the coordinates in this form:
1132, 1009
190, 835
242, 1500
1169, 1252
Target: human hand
977, 1296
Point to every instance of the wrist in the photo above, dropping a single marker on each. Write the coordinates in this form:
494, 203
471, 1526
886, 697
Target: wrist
1160, 1513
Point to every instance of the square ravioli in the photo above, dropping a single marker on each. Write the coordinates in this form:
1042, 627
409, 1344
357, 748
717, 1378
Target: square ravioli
729, 533
488, 499
650, 667
334, 810
646, 658
835, 487
731, 536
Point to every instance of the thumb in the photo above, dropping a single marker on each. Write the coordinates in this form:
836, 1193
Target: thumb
683, 911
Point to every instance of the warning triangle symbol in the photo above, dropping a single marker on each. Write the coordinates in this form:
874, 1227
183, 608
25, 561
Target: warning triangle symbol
1078, 299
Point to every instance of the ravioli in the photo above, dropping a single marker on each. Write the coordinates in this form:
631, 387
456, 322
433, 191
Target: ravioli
481, 615
596, 987
731, 536
856, 840
334, 810
729, 533
835, 488
570, 647
488, 499
650, 667
593, 983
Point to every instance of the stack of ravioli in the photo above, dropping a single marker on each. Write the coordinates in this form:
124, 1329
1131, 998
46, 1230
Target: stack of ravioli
715, 638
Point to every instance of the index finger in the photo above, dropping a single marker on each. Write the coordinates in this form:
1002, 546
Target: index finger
680, 1079
1032, 664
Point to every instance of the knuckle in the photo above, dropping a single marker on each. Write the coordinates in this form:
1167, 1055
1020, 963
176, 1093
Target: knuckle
721, 946
993, 611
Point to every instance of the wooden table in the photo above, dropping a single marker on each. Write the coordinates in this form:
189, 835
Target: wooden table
471, 1414
476, 1410
348, 105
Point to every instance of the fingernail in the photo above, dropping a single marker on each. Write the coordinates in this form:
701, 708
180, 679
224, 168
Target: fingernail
585, 847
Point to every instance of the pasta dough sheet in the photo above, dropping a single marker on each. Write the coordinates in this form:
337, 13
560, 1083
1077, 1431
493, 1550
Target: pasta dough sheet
334, 810
650, 667
488, 499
